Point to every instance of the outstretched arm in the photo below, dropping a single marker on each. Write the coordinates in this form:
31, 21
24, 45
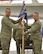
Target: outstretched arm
13, 21
34, 28
10, 24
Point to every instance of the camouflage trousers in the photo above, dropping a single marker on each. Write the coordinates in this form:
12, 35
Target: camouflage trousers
18, 43
37, 46
5, 43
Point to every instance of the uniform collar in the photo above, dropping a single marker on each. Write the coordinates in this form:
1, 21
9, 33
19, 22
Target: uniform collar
6, 16
36, 20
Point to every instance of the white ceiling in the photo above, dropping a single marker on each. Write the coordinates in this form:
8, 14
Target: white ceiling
20, 1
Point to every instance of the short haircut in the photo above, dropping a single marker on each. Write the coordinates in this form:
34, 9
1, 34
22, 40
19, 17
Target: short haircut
36, 13
8, 8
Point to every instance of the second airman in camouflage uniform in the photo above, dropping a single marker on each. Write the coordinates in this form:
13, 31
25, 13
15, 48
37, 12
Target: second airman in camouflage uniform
36, 36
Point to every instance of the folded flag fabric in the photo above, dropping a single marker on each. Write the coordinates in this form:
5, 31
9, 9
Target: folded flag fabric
23, 11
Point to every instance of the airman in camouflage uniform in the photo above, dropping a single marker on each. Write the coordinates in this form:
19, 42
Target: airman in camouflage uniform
17, 35
36, 36
6, 31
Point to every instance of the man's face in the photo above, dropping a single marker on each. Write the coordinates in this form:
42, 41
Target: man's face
8, 12
35, 16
